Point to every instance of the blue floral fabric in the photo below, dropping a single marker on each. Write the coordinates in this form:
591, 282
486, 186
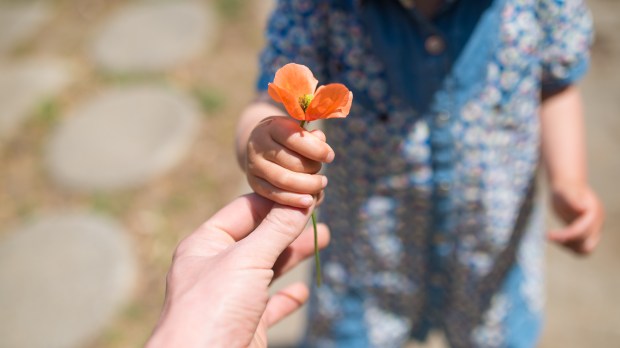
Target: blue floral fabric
431, 202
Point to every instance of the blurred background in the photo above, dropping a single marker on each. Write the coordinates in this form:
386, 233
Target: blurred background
117, 120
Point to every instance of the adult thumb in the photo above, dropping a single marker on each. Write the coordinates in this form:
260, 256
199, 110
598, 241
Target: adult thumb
280, 228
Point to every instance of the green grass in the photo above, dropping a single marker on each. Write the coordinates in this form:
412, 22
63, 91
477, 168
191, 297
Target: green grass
113, 204
210, 100
230, 9
48, 112
109, 77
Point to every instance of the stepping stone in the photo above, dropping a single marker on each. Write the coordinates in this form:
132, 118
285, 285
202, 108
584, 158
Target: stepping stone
122, 138
62, 278
153, 36
20, 22
23, 85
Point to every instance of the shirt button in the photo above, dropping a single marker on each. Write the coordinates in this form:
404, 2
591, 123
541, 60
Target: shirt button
473, 206
435, 45
436, 280
409, 4
439, 238
442, 119
444, 188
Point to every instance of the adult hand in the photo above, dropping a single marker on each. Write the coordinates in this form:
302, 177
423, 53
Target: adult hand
217, 286
582, 211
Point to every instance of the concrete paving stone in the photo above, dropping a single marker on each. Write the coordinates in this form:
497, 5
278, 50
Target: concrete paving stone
19, 22
152, 36
62, 278
24, 84
122, 138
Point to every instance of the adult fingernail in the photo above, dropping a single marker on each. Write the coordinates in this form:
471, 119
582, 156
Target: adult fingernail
324, 181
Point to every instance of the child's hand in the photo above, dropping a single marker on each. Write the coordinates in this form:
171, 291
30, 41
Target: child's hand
581, 210
283, 159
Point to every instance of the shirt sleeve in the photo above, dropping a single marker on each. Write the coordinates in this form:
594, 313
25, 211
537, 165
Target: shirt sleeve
567, 38
296, 33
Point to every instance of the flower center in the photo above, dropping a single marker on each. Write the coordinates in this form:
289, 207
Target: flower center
305, 100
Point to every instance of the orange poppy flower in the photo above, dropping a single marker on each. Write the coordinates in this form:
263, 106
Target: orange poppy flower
294, 86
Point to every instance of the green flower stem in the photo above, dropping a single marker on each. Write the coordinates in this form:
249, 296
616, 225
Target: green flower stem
317, 259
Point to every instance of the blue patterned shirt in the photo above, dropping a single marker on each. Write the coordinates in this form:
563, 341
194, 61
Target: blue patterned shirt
431, 196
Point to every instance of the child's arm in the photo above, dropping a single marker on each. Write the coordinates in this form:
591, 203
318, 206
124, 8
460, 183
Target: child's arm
280, 159
563, 151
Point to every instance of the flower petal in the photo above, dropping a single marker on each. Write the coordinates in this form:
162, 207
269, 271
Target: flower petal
347, 107
273, 93
296, 79
330, 101
291, 103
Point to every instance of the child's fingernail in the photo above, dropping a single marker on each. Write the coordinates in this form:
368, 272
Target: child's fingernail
324, 181
306, 200
330, 156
